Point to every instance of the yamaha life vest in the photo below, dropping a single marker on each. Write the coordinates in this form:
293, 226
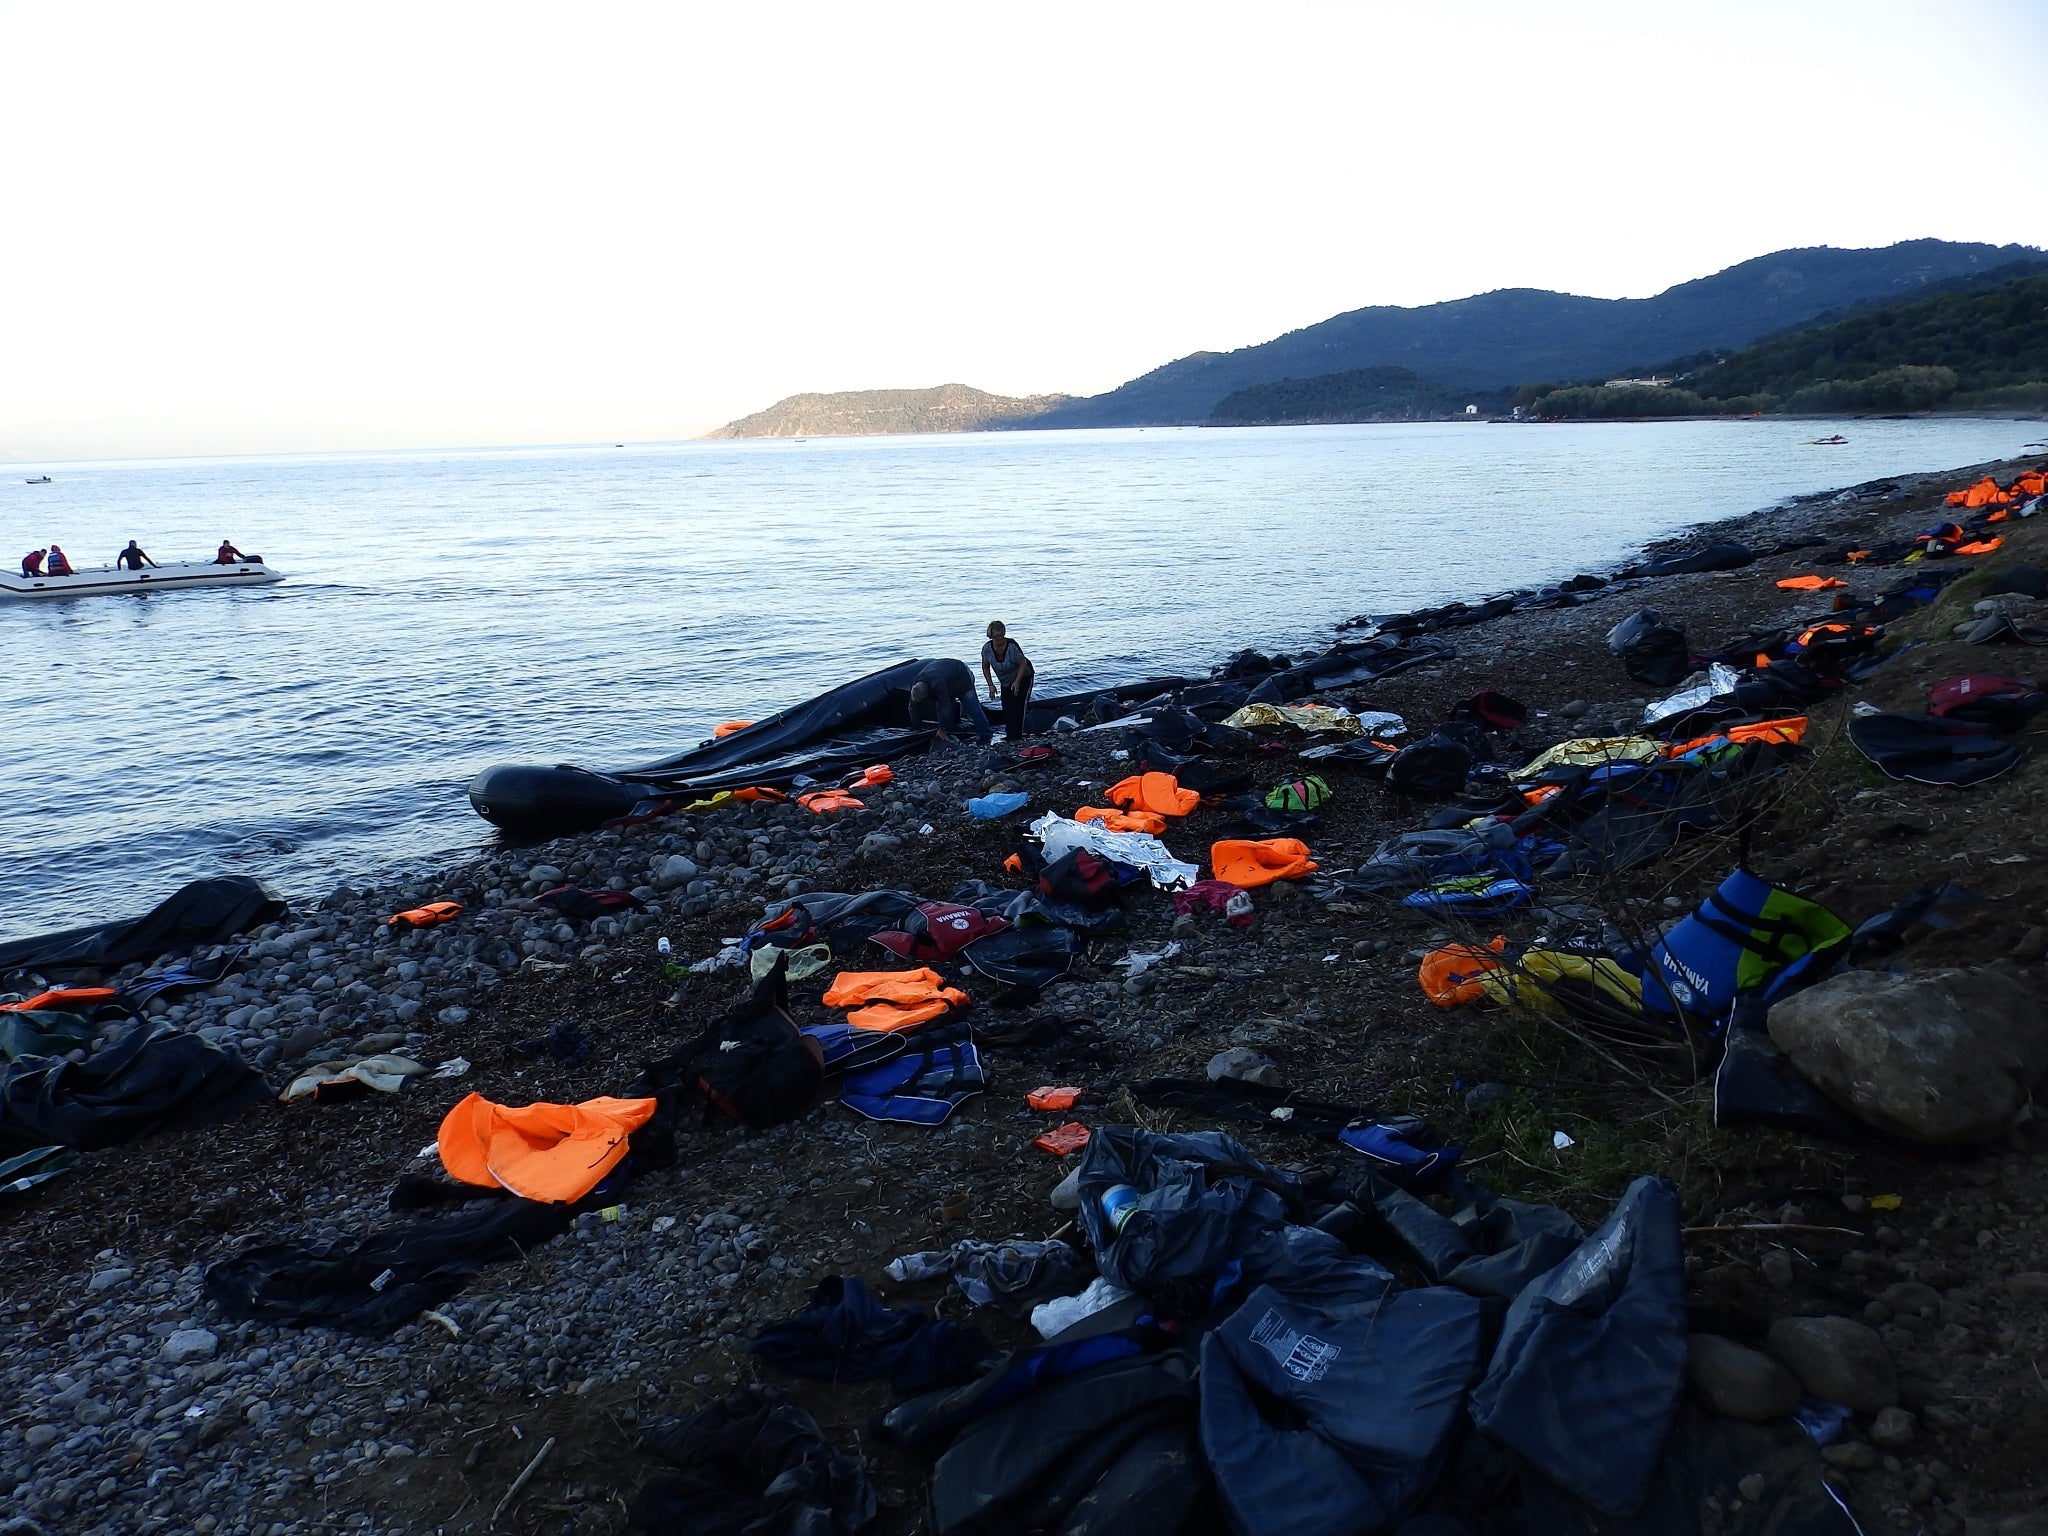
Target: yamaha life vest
1748, 936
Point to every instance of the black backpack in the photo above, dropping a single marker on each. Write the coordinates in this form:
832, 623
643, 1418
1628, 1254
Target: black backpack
1435, 766
1659, 656
754, 1064
1083, 878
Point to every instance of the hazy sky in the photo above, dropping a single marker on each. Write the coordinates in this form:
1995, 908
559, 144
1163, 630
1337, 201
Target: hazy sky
302, 225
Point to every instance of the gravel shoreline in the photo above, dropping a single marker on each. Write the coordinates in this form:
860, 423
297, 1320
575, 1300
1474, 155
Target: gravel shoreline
134, 1405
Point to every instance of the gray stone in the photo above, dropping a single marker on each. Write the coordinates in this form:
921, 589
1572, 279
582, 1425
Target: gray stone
1244, 1064
1849, 1455
453, 1014
675, 870
371, 1045
1893, 1429
1838, 1359
305, 1038
107, 1278
545, 874
36, 1436
1481, 1097
189, 1344
880, 842
1739, 1383
1936, 1056
1753, 1487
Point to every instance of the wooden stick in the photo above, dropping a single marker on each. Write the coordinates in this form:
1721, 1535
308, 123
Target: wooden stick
519, 1482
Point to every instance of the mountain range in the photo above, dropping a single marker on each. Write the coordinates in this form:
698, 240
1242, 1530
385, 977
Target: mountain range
1485, 344
882, 412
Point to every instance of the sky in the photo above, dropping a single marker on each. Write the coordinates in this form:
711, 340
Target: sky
265, 228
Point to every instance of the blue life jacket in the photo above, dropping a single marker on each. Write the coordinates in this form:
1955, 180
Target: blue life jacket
1748, 936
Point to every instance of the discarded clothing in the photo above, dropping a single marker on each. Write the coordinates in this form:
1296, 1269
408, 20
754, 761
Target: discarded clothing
540, 1152
800, 964
1216, 896
1928, 749
1434, 767
1490, 1246
1053, 1318
938, 1071
1331, 1416
994, 807
1586, 1377
1063, 1140
935, 931
831, 917
1014, 1276
753, 1465
844, 1334
888, 1000
1248, 865
1136, 850
1566, 985
350, 1077
183, 977
374, 1283
202, 912
153, 1079
1472, 895
1297, 717
583, 906
1108, 1451
1026, 959
566, 1043
1121, 821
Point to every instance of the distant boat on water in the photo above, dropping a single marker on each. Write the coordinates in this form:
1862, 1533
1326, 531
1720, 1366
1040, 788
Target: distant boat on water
1826, 442
38, 480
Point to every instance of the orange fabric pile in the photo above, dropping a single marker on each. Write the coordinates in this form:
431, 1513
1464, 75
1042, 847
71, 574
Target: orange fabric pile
548, 1152
891, 1000
1450, 976
1985, 493
1810, 583
1123, 821
819, 801
1251, 864
1159, 793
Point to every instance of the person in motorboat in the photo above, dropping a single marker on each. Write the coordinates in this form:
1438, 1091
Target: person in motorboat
228, 555
32, 562
134, 557
942, 695
1008, 673
56, 563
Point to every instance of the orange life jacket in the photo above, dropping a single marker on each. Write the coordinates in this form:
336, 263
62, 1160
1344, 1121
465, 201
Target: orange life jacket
1251, 864
62, 999
1052, 1098
1159, 793
879, 774
432, 915
1985, 493
1980, 547
1123, 821
2032, 483
1810, 583
891, 1000
819, 801
547, 1152
771, 796
1789, 731
1450, 976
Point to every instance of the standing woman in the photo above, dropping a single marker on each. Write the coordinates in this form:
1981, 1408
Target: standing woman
1007, 671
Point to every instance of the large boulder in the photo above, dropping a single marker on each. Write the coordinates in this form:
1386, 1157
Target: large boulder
1738, 1382
1837, 1358
1937, 1056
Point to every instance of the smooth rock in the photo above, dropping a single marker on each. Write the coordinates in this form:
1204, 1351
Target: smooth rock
675, 870
371, 1045
1937, 1056
545, 874
108, 1277
1481, 1097
189, 1344
1849, 1455
1838, 1359
1893, 1429
1753, 1487
1244, 1064
880, 842
453, 1014
1737, 1382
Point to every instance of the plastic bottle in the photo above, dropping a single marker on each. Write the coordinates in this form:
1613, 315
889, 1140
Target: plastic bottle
663, 948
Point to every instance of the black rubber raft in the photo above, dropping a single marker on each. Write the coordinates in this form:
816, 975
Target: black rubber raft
868, 721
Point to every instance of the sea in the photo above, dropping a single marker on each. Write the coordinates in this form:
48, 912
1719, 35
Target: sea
607, 605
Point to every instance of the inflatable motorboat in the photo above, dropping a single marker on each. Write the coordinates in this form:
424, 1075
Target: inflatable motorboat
861, 722
250, 571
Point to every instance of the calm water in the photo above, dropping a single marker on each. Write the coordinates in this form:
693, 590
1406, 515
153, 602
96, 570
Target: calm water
608, 605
